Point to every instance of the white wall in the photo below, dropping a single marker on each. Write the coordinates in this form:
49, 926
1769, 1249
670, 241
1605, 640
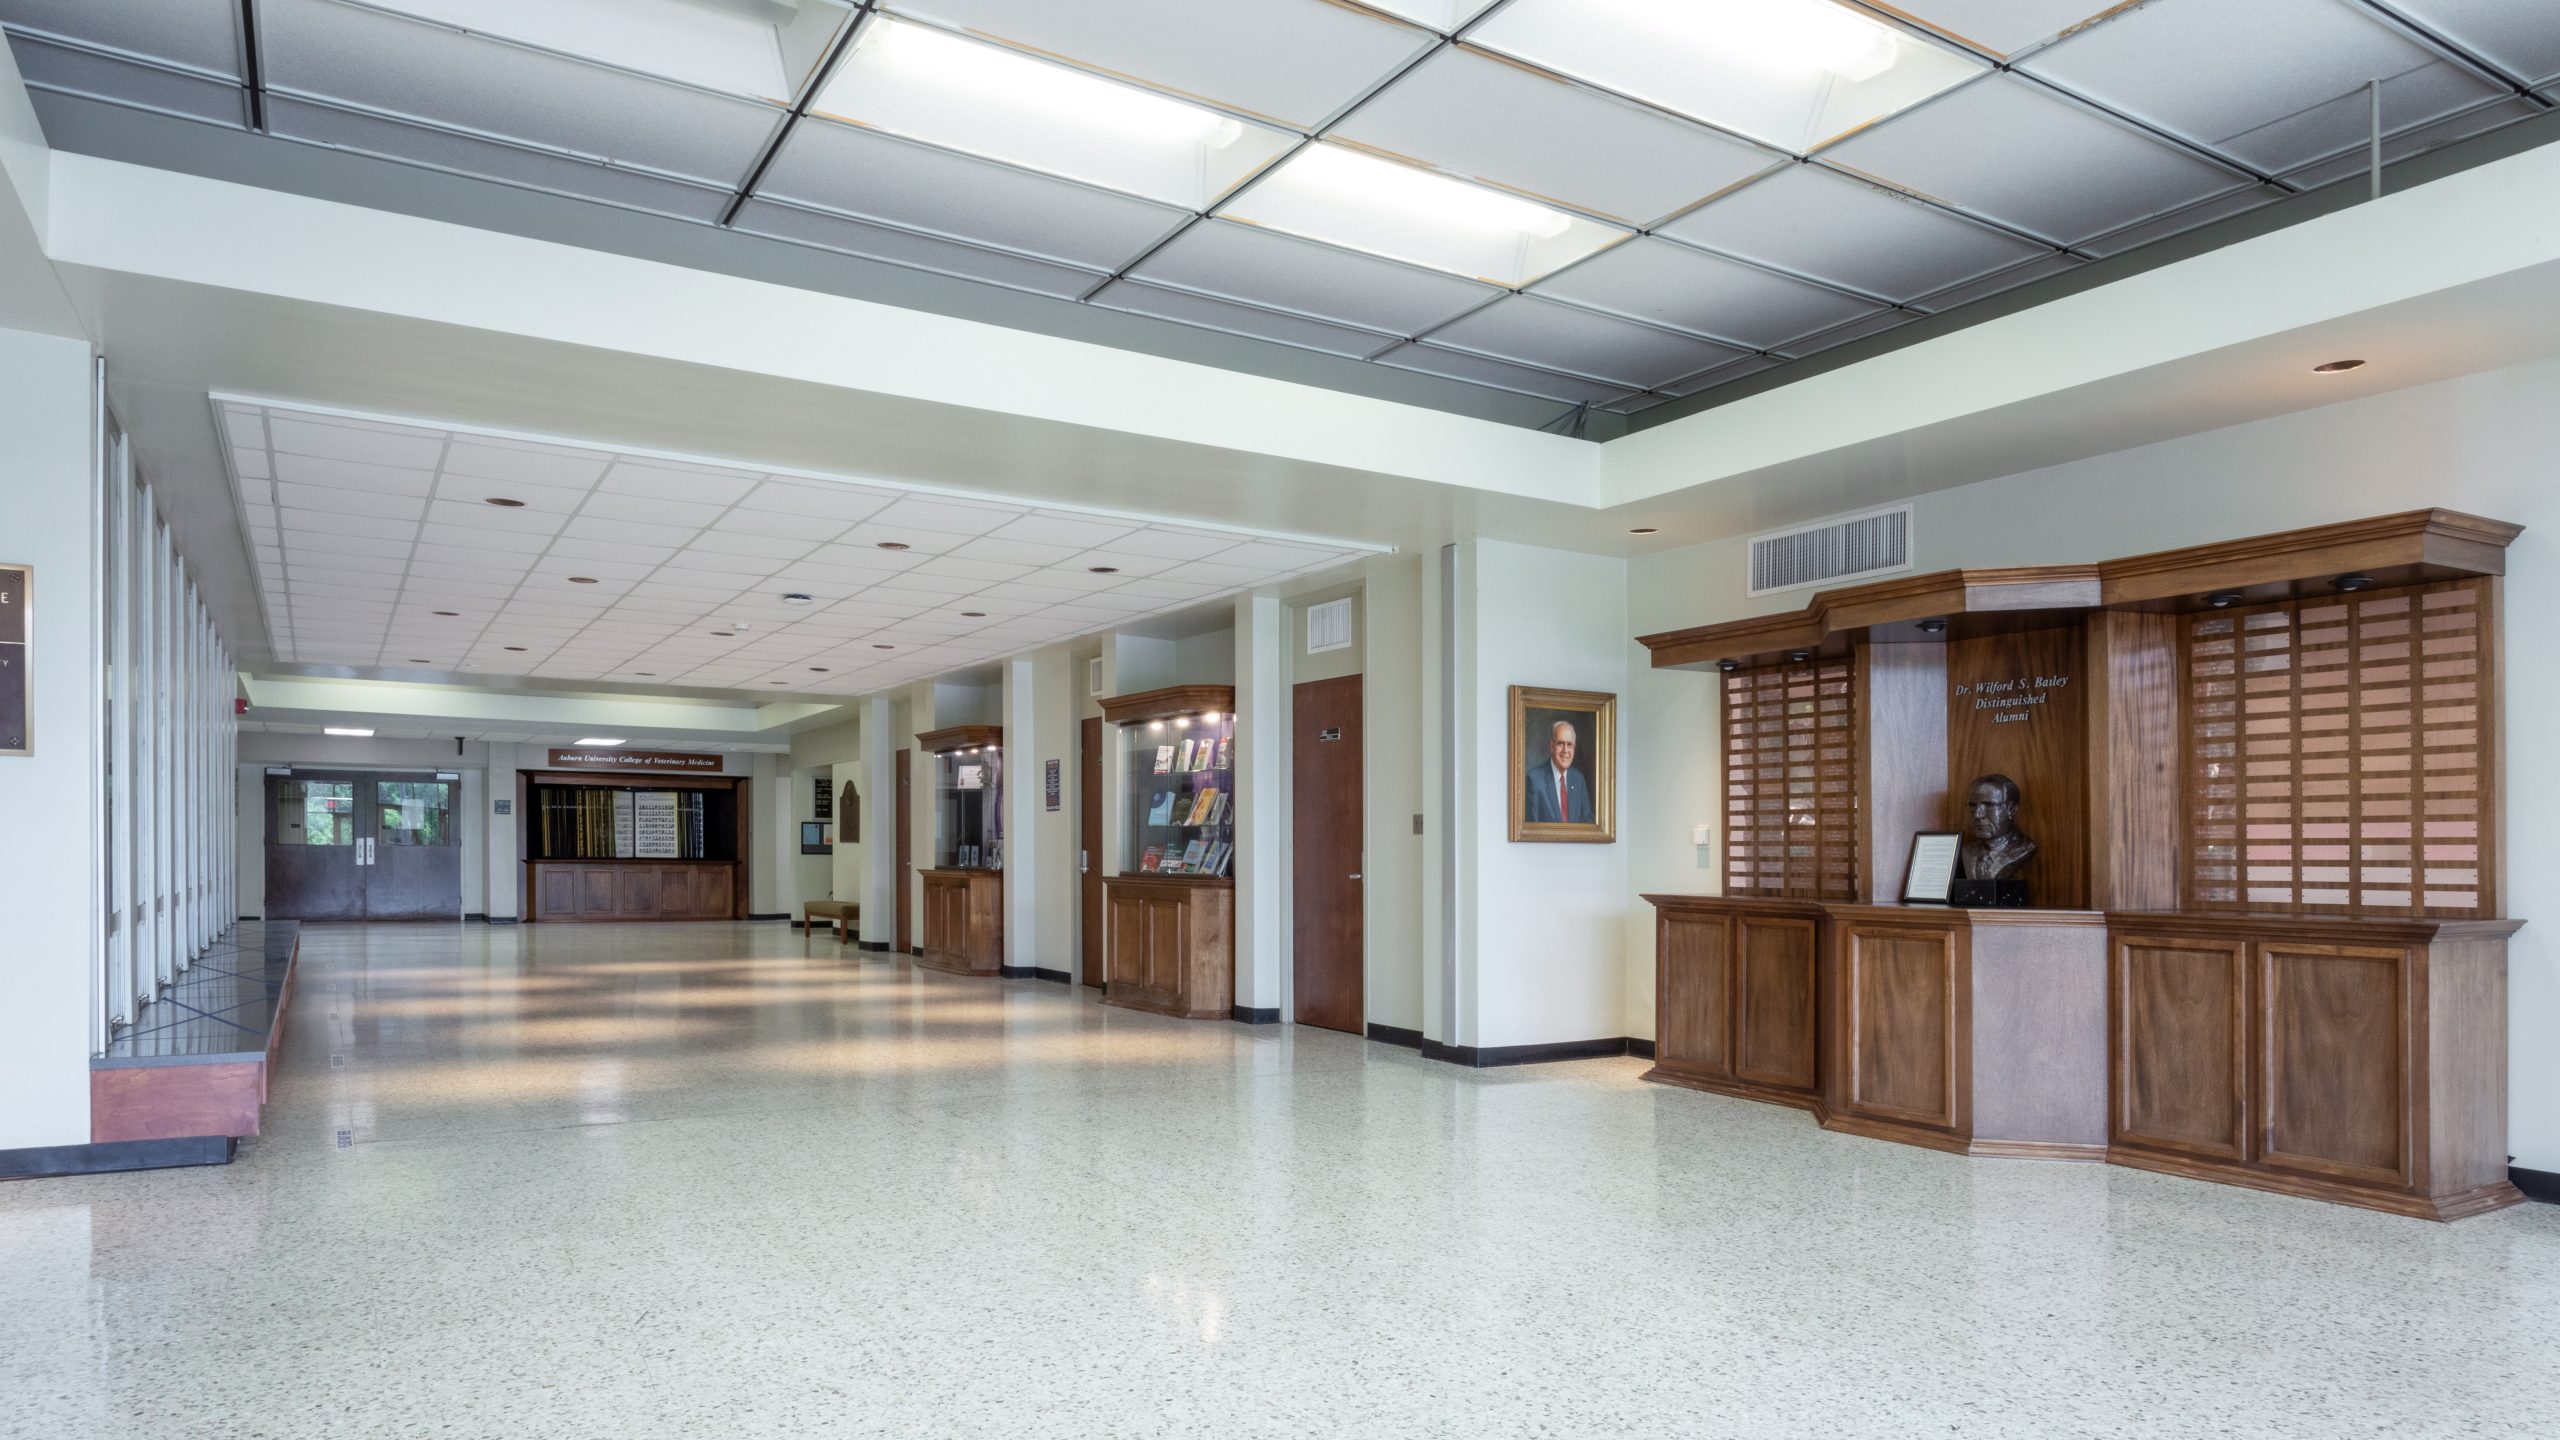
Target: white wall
50, 841
1539, 955
1041, 891
2483, 444
1262, 803
1392, 760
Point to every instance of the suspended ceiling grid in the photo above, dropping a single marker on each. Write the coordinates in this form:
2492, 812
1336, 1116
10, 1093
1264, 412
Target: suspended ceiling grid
1702, 232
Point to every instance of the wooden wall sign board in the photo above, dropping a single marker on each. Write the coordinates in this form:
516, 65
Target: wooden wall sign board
17, 699
637, 760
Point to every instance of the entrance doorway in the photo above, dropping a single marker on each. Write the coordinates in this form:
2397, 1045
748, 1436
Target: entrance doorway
361, 845
1325, 843
906, 852
1089, 853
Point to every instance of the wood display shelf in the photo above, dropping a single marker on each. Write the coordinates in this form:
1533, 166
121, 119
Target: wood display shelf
963, 921
2263, 779
960, 737
1169, 702
599, 890
1171, 946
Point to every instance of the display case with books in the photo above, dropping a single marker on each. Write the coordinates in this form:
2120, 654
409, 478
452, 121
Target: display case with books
1169, 912
964, 889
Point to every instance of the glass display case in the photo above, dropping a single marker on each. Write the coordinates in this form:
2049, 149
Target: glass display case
968, 808
1179, 812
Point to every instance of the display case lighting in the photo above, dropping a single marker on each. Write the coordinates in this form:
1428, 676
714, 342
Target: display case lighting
345, 730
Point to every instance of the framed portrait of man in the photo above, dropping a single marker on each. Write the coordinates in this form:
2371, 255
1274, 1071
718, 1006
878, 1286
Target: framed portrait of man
1564, 766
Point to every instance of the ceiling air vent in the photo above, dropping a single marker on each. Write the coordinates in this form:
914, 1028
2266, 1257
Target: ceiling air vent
1876, 543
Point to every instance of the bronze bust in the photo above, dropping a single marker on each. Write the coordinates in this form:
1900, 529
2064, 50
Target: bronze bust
1993, 849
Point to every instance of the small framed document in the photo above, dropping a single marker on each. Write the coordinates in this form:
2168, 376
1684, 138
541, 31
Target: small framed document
1933, 867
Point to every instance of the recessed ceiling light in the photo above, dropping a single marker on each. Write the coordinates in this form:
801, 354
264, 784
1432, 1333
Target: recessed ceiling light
1385, 207
601, 740
2223, 599
973, 614
2337, 367
817, 669
2353, 583
1104, 569
795, 598
884, 647
646, 674
775, 682
891, 545
725, 634
415, 661
958, 92
450, 614
1795, 73
1644, 530
582, 579
503, 503
1728, 666
344, 730
517, 648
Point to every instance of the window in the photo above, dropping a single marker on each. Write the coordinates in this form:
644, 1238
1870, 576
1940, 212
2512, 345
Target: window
2338, 758
1790, 777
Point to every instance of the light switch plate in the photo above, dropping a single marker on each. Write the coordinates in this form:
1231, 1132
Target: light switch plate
1699, 836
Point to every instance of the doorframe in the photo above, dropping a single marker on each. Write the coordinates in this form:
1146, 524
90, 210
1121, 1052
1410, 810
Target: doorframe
1289, 853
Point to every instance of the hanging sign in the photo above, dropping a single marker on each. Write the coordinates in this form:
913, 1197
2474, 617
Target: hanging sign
17, 704
601, 759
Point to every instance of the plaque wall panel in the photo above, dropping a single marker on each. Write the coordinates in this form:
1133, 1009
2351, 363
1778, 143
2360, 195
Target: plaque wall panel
2017, 706
1790, 775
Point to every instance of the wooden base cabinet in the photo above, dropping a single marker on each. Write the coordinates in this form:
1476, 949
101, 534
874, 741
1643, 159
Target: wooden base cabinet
2355, 1060
1735, 989
964, 921
1170, 945
632, 890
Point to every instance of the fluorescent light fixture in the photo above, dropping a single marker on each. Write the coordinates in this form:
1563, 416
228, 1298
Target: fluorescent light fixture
1795, 73
1345, 197
738, 47
602, 740
344, 730
945, 89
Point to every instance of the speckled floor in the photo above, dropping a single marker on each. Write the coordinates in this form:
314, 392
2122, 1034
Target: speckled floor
573, 1181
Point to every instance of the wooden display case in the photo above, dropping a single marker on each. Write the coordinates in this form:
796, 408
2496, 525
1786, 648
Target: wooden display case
580, 865
964, 891
2263, 777
1169, 933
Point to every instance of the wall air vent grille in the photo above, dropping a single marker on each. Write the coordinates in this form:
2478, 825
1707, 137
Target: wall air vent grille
1329, 626
1878, 543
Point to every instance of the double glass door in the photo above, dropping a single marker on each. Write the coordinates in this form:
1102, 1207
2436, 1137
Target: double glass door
363, 846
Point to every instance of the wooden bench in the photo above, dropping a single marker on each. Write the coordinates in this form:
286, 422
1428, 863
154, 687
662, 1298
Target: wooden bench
843, 914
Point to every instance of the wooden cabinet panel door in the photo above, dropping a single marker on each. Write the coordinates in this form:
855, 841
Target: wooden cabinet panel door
1167, 948
2179, 1052
1128, 942
1773, 1012
555, 891
2338, 1065
1694, 976
595, 891
1903, 1043
636, 893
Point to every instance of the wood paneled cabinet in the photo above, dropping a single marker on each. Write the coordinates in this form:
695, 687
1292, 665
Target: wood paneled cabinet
1170, 945
632, 890
2352, 1060
964, 921
1735, 991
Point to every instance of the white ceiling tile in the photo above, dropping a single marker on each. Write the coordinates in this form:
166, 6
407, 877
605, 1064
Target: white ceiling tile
470, 490
505, 541
333, 439
668, 480
350, 502
564, 566
609, 550
605, 504
913, 583
1531, 331
351, 475
2005, 27
780, 525
742, 567
817, 498
1014, 552
1172, 544
323, 528
1468, 114
982, 570
1051, 528
251, 465
1130, 564
918, 543
465, 515
1669, 284
1832, 227
478, 560
723, 542
1235, 261
1477, 370
545, 466
625, 532
2519, 37
1209, 313
1160, 588
955, 517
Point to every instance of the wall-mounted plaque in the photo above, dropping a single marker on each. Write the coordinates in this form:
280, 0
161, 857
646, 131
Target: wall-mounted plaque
602, 759
17, 694
653, 825
1049, 786
825, 803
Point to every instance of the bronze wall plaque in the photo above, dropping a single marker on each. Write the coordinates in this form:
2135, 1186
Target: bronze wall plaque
602, 759
17, 686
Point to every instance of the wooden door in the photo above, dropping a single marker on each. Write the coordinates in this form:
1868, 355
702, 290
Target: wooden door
1693, 976
413, 851
2179, 1055
1905, 1049
2338, 1062
1089, 853
1325, 844
906, 853
315, 835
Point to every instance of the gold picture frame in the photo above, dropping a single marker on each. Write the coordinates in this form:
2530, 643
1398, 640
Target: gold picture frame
1538, 720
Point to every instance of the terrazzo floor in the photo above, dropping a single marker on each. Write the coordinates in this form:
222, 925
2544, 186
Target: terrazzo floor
716, 1180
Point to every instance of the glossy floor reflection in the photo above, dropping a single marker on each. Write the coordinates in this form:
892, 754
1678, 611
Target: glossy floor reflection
570, 1181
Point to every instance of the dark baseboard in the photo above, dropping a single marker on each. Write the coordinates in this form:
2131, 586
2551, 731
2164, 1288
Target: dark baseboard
1396, 1035
1483, 1056
1057, 977
1641, 1049
108, 1157
475, 915
1244, 1015
2542, 1185
916, 950
876, 947
1017, 972
780, 916
504, 920
253, 917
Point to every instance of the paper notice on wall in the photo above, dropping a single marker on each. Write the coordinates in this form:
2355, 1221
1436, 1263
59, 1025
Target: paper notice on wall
622, 825
653, 825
